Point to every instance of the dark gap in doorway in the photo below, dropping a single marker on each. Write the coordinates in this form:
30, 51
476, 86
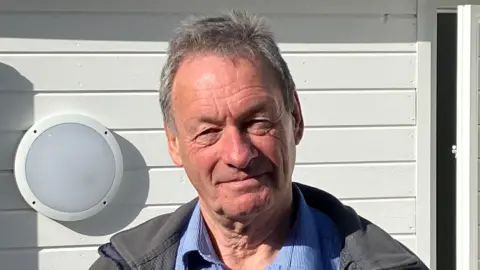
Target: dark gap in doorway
446, 138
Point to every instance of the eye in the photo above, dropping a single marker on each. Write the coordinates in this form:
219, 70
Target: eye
208, 136
207, 131
259, 126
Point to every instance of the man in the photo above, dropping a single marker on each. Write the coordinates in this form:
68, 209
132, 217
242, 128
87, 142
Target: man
233, 120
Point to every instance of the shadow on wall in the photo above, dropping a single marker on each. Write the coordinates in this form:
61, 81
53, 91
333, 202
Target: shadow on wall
21, 234
16, 103
18, 222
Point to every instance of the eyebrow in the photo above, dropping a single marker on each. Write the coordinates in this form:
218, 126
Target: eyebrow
206, 119
249, 112
257, 108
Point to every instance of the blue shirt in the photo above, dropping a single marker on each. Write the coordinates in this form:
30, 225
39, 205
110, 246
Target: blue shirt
313, 243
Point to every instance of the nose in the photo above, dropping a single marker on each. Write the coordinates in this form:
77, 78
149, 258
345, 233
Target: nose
237, 149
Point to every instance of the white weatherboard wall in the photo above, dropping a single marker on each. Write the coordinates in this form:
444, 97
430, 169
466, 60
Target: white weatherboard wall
354, 62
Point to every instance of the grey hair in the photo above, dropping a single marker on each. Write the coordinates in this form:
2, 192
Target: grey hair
232, 34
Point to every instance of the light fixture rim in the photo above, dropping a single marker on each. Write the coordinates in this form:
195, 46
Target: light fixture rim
37, 130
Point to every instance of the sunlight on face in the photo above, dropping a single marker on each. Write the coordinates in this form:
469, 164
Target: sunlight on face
234, 137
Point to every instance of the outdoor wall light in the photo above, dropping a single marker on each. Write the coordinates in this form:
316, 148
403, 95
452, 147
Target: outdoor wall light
68, 167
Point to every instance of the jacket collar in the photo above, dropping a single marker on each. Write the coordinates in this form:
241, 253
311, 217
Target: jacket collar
156, 240
366, 246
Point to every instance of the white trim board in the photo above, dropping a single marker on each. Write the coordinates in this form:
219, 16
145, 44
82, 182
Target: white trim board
467, 138
426, 133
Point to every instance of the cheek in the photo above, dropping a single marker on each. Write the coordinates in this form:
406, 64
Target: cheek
272, 147
279, 146
200, 162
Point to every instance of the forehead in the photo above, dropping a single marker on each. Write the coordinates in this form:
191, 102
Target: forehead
211, 88
214, 72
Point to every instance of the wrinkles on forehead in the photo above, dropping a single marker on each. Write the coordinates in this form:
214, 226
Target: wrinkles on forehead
205, 81
195, 62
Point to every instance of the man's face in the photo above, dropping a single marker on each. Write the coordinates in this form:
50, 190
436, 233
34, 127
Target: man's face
234, 137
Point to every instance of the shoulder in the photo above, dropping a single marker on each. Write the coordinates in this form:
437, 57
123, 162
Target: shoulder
149, 239
325, 224
363, 243
329, 208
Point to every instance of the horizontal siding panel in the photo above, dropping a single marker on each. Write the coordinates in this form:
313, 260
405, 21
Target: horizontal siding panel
149, 148
410, 241
343, 108
357, 145
172, 186
389, 180
72, 258
379, 212
17, 110
81, 258
8, 145
130, 32
29, 229
85, 72
116, 111
358, 108
186, 6
348, 47
141, 72
10, 197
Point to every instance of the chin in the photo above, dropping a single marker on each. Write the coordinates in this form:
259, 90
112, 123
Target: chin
246, 205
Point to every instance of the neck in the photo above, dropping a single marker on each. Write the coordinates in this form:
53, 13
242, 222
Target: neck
251, 244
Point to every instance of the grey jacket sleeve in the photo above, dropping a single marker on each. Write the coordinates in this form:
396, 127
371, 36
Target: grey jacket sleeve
104, 263
109, 259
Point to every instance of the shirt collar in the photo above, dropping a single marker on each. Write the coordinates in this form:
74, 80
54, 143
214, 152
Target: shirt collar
197, 238
300, 250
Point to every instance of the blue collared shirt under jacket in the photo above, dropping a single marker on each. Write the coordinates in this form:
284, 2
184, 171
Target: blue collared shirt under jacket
313, 243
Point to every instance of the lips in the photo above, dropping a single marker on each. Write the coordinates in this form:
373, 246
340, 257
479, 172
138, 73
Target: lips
243, 178
256, 169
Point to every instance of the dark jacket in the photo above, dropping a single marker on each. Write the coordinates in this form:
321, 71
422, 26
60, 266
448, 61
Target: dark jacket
153, 245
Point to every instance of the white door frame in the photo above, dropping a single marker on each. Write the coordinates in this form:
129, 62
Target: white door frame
467, 138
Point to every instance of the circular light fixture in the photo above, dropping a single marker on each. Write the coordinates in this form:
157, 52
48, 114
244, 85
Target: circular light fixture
68, 167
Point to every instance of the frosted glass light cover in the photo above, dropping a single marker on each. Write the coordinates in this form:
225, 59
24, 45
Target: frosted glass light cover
68, 167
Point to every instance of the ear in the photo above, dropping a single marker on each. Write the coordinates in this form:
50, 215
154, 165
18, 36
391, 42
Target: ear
298, 124
173, 146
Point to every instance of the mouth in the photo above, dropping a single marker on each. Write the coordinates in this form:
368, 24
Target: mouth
248, 178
